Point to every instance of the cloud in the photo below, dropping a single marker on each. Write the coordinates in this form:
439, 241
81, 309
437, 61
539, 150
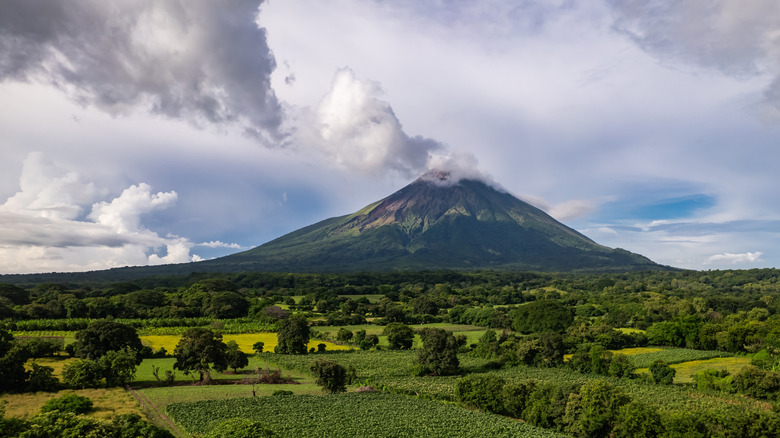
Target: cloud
358, 131
201, 61
748, 257
123, 213
45, 229
218, 244
739, 38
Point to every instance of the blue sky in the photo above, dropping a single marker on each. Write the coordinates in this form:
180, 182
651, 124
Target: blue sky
145, 132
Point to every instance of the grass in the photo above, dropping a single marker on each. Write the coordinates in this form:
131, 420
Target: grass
164, 396
144, 373
108, 402
57, 363
686, 370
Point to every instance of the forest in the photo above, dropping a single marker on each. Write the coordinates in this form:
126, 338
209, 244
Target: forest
657, 354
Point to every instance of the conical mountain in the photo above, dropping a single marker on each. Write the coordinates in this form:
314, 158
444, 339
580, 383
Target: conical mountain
436, 223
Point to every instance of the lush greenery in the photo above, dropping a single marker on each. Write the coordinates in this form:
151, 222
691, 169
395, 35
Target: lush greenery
351, 415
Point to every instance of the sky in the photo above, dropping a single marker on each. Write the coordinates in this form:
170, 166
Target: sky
139, 132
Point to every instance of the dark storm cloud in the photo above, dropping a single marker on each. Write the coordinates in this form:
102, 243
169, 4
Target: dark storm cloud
202, 61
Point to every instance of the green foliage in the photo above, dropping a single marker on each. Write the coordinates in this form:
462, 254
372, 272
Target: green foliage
13, 376
103, 336
118, 366
198, 350
68, 403
236, 359
347, 415
399, 336
82, 374
713, 380
439, 352
542, 316
593, 412
331, 376
482, 392
41, 378
638, 420
240, 428
757, 383
258, 346
662, 373
293, 335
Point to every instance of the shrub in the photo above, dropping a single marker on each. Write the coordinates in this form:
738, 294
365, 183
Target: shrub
82, 374
482, 392
68, 403
662, 373
330, 375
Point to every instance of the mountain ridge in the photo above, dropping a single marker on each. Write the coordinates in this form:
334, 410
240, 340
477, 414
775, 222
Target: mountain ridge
436, 222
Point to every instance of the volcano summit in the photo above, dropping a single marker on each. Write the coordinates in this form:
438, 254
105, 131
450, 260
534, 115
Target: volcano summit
436, 222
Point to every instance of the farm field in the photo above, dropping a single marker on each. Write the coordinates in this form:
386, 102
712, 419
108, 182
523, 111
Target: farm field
244, 341
353, 415
642, 357
686, 370
108, 402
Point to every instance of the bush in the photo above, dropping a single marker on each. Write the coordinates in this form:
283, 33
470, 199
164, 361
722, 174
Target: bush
481, 392
68, 403
330, 375
662, 373
82, 374
42, 379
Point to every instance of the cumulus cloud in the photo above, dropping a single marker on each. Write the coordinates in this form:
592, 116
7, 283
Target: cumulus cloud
45, 229
748, 257
201, 61
359, 131
739, 38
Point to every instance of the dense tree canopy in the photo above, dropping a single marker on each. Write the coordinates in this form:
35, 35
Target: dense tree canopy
199, 350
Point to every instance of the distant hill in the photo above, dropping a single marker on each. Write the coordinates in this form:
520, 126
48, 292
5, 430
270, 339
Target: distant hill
434, 223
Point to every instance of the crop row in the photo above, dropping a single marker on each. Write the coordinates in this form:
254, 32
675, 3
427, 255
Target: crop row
350, 415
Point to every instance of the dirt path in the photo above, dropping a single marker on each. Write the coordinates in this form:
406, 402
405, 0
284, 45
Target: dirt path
150, 407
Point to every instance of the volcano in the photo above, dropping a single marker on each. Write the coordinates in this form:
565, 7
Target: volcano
436, 222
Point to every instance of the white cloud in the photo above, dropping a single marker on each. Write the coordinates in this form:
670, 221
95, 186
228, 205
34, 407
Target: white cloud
43, 230
218, 244
743, 258
359, 131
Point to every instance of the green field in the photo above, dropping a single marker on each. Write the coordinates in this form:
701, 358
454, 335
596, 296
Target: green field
352, 415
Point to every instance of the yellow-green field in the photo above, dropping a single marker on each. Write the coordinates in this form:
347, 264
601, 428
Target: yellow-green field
637, 350
108, 403
244, 341
686, 370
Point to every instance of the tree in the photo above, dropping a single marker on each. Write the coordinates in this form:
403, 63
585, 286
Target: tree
235, 357
662, 373
227, 305
103, 336
542, 315
439, 353
82, 374
594, 411
293, 335
482, 392
42, 379
399, 336
330, 375
198, 350
258, 346
118, 367
638, 420
344, 335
